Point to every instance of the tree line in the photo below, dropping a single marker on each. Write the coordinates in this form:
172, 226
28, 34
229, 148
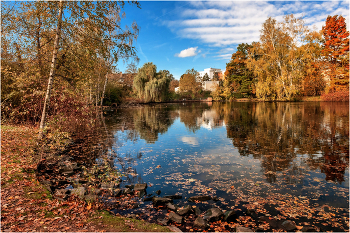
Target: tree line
291, 61
56, 56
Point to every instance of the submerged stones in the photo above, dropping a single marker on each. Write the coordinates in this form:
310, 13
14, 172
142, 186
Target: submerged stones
175, 217
200, 223
161, 201
139, 187
199, 198
213, 214
230, 216
185, 210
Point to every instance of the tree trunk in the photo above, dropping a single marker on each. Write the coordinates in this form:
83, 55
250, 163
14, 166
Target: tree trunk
104, 89
52, 70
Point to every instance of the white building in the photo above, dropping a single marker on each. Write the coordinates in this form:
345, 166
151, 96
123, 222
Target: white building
177, 89
210, 71
210, 85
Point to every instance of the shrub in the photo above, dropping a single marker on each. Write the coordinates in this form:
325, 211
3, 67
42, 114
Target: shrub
342, 95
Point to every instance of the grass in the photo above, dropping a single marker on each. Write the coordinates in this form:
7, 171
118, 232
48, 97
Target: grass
121, 224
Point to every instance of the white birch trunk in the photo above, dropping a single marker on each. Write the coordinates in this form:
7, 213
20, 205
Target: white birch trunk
52, 70
104, 89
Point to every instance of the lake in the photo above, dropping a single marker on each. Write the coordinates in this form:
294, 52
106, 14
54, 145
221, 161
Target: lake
282, 160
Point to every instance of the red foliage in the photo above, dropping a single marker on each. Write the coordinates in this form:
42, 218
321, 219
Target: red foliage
342, 95
335, 51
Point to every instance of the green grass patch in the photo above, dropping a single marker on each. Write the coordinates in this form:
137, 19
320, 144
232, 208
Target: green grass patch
121, 224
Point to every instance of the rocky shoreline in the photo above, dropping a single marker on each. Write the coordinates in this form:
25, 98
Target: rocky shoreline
66, 177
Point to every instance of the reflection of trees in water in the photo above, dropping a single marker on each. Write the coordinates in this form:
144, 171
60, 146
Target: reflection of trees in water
277, 132
190, 113
151, 121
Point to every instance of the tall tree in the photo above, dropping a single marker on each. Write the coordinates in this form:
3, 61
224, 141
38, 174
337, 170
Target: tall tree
52, 69
90, 36
150, 85
239, 78
336, 53
279, 68
313, 83
188, 83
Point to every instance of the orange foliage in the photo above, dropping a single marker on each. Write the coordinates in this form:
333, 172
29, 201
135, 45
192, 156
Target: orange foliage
335, 51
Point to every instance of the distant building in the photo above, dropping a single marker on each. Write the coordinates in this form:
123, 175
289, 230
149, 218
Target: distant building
210, 71
210, 85
177, 89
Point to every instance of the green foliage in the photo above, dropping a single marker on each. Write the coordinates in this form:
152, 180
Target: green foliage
150, 85
114, 94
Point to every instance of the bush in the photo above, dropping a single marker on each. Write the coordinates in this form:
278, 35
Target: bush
342, 95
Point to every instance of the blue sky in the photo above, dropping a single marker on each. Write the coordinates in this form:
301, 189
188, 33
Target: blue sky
180, 35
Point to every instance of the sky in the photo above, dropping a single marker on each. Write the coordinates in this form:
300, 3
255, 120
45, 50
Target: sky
181, 35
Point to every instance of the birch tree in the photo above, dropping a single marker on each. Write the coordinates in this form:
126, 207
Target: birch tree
279, 68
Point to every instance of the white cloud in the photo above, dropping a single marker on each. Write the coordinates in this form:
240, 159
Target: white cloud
190, 140
190, 52
228, 23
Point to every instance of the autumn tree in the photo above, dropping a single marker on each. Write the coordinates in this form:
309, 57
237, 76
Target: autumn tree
336, 53
216, 76
173, 84
239, 78
90, 38
150, 85
131, 68
205, 78
279, 69
313, 83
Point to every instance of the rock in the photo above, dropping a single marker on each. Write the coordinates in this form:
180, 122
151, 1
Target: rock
230, 216
243, 229
117, 192
263, 219
308, 229
161, 201
250, 212
128, 191
90, 197
139, 187
133, 216
175, 217
273, 223
288, 225
174, 196
129, 186
171, 206
141, 193
197, 211
200, 223
199, 198
80, 192
61, 194
148, 199
163, 221
186, 210
213, 214
158, 192
215, 199
67, 167
174, 229
107, 185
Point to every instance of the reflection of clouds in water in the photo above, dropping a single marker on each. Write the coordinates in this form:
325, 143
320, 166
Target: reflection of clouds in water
190, 140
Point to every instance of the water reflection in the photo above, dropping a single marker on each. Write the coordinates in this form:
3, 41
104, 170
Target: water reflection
285, 137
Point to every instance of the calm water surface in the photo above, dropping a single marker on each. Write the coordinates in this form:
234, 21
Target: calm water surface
285, 160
